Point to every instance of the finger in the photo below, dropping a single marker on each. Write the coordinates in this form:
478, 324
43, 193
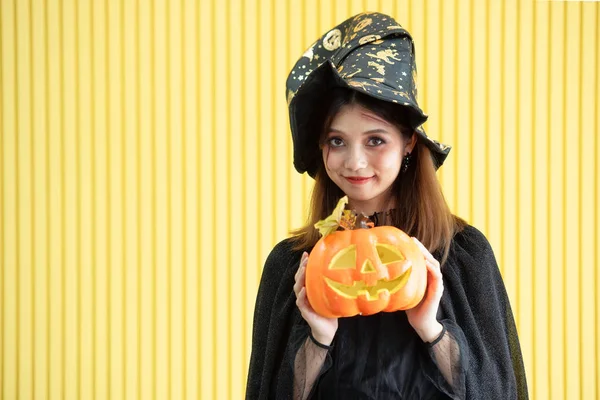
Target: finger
302, 275
297, 288
434, 268
304, 305
300, 280
435, 283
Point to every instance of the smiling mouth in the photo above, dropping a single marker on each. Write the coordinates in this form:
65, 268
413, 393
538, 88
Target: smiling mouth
357, 180
370, 292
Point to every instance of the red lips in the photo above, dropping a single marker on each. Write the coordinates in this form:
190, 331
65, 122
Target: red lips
358, 180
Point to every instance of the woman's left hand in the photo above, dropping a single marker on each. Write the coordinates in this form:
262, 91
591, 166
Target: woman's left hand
423, 317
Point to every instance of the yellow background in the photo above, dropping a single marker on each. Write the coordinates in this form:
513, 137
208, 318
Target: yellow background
146, 172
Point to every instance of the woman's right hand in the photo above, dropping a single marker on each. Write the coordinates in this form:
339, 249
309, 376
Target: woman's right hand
323, 329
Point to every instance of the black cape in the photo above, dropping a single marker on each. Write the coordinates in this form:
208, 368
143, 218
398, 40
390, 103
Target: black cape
380, 356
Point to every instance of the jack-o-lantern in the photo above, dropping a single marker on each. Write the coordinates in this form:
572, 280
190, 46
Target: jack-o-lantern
363, 271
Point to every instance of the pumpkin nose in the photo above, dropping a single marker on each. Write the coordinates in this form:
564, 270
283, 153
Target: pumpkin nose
367, 267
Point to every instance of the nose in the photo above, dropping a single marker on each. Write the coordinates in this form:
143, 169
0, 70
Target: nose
357, 159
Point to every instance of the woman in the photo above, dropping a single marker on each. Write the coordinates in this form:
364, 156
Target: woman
356, 129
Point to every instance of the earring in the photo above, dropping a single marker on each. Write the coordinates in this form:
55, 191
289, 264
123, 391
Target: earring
406, 162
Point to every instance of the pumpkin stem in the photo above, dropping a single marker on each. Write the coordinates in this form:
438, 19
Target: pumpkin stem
345, 219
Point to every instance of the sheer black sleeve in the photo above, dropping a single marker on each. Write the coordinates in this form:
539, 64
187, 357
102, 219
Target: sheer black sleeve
309, 360
480, 321
444, 360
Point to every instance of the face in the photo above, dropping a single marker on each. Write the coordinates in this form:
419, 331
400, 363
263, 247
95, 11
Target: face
363, 156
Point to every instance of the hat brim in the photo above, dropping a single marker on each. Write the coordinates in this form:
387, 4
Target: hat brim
308, 107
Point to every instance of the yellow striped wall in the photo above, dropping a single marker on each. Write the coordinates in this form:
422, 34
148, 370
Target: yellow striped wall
146, 172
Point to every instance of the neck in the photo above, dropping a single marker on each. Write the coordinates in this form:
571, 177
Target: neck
370, 207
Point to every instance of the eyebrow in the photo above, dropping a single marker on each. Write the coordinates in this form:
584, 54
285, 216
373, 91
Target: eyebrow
369, 132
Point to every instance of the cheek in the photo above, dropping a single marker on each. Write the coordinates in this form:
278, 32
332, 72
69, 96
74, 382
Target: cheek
332, 158
388, 162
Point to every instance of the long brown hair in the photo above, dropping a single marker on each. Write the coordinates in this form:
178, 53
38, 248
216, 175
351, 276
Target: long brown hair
421, 209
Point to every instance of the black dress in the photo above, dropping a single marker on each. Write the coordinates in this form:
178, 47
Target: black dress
381, 356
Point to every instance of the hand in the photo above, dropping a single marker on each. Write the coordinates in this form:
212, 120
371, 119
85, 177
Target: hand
423, 317
323, 329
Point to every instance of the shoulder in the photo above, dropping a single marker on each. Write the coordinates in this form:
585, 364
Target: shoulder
282, 253
280, 260
470, 242
472, 257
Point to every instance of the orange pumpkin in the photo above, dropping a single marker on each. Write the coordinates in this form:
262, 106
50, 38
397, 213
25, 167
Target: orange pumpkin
365, 271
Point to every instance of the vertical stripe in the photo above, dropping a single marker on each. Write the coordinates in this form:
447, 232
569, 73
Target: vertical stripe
78, 256
596, 199
199, 231
532, 374
93, 189
502, 126
183, 199
138, 190
245, 177
46, 127
153, 190
168, 133
108, 119
215, 220
124, 238
580, 204
564, 202
471, 94
2, 218
548, 181
232, 223
17, 198
487, 114
32, 181
62, 193
32, 193
517, 150
259, 157
454, 85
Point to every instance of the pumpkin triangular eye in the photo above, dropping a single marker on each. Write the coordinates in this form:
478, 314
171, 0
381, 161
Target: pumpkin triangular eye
344, 259
388, 253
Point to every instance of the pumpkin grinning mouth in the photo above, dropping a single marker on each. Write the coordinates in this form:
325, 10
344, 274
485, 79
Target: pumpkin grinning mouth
370, 292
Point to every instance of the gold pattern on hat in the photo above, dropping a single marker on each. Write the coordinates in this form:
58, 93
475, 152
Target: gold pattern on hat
363, 24
290, 96
361, 85
333, 39
414, 78
385, 55
368, 39
351, 74
378, 67
309, 54
402, 94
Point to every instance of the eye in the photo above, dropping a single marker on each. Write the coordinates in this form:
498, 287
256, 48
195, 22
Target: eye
345, 259
335, 142
375, 141
388, 254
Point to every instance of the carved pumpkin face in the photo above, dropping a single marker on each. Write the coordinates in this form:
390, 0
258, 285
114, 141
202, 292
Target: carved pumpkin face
365, 271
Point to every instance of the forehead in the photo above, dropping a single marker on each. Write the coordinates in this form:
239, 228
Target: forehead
354, 115
355, 112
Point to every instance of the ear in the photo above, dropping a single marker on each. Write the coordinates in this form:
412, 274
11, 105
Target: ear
411, 143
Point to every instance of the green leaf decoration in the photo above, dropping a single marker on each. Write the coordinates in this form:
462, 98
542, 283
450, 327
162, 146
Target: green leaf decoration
332, 223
